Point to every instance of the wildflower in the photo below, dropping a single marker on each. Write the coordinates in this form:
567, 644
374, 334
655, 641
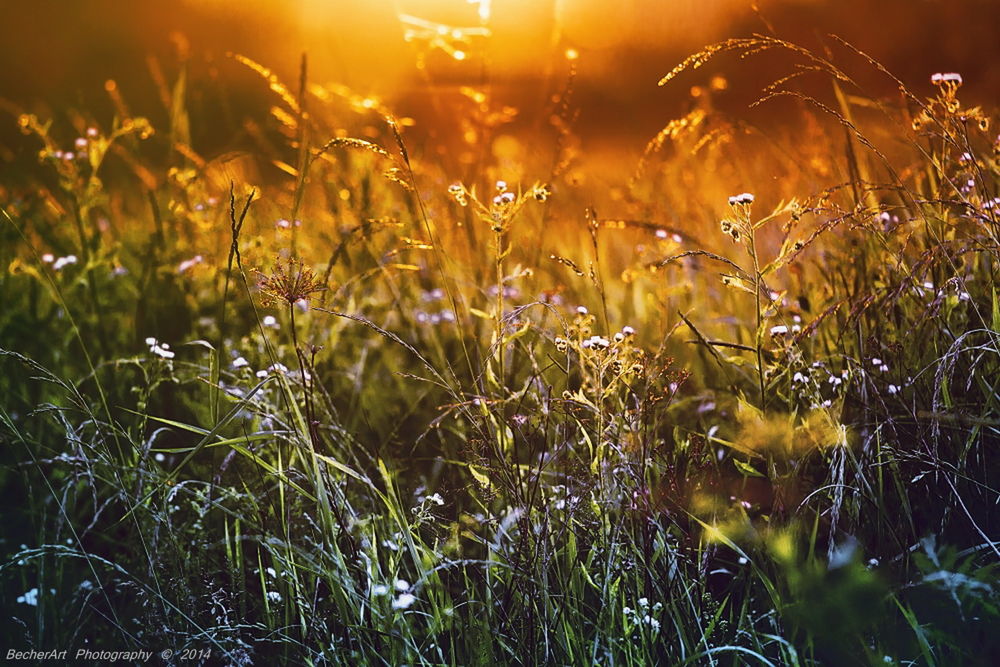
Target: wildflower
893, 389
91, 132
799, 377
80, 143
48, 258
380, 589
433, 295
402, 585
643, 602
159, 349
270, 321
274, 596
501, 186
457, 191
561, 344
779, 330
598, 342
619, 337
30, 598
504, 198
404, 601
187, 264
436, 499
628, 331
240, 362
64, 261
541, 193
582, 310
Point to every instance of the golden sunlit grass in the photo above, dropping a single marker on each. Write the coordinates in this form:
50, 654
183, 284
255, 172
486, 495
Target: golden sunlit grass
743, 413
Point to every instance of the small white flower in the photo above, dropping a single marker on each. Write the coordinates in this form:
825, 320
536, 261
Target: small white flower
159, 457
893, 389
188, 264
581, 310
628, 331
270, 321
402, 585
627, 610
404, 601
779, 330
661, 233
643, 602
163, 351
380, 589
30, 598
261, 374
64, 261
274, 596
240, 362
271, 572
48, 258
501, 186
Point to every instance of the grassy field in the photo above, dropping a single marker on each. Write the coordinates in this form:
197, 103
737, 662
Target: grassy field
346, 398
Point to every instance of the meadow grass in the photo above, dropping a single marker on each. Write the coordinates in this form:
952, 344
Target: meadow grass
394, 408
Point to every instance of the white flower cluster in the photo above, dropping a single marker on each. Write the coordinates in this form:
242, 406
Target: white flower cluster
30, 598
159, 349
404, 600
948, 77
743, 198
274, 368
641, 615
58, 264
